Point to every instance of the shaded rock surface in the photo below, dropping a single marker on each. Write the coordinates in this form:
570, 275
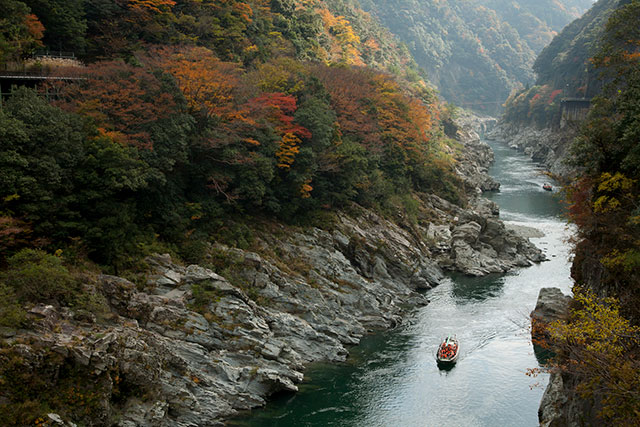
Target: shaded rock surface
560, 406
190, 346
552, 305
476, 156
549, 147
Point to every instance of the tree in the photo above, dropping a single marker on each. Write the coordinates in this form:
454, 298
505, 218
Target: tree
596, 345
124, 100
64, 22
20, 31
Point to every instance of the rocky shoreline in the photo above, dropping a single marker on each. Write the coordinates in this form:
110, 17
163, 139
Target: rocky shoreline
549, 147
188, 346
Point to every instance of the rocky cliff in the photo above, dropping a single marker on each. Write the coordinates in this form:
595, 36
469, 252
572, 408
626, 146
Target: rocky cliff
560, 405
547, 146
187, 345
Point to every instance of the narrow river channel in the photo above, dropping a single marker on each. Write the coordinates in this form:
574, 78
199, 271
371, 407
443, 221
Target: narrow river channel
391, 378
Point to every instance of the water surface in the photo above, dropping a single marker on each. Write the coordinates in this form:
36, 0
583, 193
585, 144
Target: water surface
391, 378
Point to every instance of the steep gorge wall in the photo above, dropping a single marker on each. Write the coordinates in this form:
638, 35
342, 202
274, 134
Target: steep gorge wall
189, 346
547, 146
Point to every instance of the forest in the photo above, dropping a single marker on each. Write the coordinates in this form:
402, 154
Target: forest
173, 132
163, 126
477, 52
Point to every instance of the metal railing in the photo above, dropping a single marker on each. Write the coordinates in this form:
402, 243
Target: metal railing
54, 54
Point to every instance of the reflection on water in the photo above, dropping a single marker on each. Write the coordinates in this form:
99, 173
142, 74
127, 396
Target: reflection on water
468, 289
391, 378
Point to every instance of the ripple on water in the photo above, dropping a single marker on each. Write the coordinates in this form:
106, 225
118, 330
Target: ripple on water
392, 379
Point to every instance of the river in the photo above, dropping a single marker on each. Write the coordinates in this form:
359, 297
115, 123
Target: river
391, 378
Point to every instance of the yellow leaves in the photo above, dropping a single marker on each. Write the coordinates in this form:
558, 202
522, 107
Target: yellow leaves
610, 182
288, 148
619, 185
282, 74
597, 326
605, 204
628, 260
342, 33
156, 6
252, 141
305, 190
598, 344
251, 49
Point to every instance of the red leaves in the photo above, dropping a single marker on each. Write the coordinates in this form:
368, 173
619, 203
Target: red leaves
279, 108
553, 95
374, 108
122, 99
34, 27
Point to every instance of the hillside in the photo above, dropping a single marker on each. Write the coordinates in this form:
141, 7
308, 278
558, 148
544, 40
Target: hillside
563, 69
194, 112
476, 52
596, 59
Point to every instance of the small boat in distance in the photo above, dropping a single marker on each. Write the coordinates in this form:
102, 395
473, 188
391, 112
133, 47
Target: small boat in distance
448, 351
547, 186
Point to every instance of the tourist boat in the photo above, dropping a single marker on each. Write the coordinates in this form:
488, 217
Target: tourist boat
547, 187
448, 351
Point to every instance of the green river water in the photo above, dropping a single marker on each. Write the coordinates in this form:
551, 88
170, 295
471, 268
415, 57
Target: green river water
391, 378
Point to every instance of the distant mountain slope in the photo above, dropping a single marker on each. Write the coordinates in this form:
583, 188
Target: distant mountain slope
476, 51
564, 64
563, 70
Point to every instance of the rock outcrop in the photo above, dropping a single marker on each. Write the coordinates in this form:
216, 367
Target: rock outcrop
549, 147
560, 407
193, 345
552, 305
477, 243
476, 156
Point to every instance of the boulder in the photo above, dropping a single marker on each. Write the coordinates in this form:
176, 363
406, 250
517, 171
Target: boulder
552, 305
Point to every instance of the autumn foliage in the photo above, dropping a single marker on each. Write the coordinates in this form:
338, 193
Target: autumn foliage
122, 100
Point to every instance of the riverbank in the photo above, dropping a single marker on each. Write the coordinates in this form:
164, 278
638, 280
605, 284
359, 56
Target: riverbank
547, 146
391, 378
189, 345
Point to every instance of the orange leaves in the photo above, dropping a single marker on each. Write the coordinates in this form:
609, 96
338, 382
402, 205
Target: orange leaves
289, 146
373, 107
207, 83
305, 190
34, 27
278, 108
155, 6
244, 11
122, 99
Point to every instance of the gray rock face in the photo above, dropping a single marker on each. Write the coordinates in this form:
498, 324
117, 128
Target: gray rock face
477, 243
552, 305
477, 156
560, 407
549, 147
194, 347
550, 413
